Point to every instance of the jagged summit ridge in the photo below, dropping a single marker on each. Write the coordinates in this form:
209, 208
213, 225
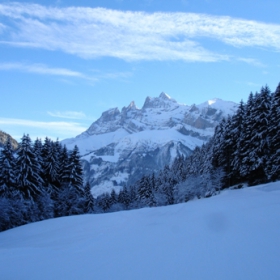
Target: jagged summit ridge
164, 101
161, 113
131, 118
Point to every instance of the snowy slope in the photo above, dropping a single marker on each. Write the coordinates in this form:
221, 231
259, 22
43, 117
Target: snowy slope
123, 145
234, 235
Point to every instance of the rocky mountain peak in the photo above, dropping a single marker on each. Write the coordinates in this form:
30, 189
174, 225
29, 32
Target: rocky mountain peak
130, 107
164, 101
110, 115
164, 96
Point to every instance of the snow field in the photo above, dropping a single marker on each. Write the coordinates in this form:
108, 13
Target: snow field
234, 235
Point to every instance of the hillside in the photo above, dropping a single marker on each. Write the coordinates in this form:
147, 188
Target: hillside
234, 235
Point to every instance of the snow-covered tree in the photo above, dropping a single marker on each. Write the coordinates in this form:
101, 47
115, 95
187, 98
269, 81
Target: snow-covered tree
73, 173
28, 177
50, 165
7, 171
237, 128
124, 197
273, 165
63, 161
259, 149
89, 200
145, 191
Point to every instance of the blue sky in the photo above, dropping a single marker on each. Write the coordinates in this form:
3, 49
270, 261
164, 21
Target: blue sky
62, 63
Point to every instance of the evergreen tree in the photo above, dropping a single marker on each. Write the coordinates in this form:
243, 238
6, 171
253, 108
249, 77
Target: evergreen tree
124, 197
104, 202
45, 206
63, 161
89, 200
113, 197
73, 175
237, 128
245, 139
51, 165
227, 152
218, 138
259, 137
178, 169
7, 171
70, 201
38, 148
71, 196
145, 192
28, 177
273, 168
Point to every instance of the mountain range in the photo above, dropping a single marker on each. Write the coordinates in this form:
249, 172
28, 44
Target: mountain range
123, 145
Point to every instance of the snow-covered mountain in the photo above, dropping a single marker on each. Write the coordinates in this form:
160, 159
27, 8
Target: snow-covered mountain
121, 146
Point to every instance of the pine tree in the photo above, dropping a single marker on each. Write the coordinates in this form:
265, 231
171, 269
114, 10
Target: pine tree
71, 195
245, 139
124, 197
218, 138
113, 197
145, 192
7, 171
28, 170
259, 137
104, 202
63, 161
73, 175
178, 169
273, 168
227, 152
89, 200
38, 148
50, 165
70, 201
237, 128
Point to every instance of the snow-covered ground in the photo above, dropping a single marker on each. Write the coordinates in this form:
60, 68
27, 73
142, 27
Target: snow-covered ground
234, 235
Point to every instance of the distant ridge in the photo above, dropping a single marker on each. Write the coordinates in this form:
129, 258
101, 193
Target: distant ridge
4, 137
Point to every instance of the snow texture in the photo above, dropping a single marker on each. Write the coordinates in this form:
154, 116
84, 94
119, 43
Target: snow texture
234, 235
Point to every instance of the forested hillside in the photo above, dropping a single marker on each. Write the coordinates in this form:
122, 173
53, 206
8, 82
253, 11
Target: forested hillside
40, 181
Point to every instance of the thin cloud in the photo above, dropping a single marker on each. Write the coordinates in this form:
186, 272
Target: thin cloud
43, 70
68, 115
252, 61
98, 32
62, 127
2, 27
252, 84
